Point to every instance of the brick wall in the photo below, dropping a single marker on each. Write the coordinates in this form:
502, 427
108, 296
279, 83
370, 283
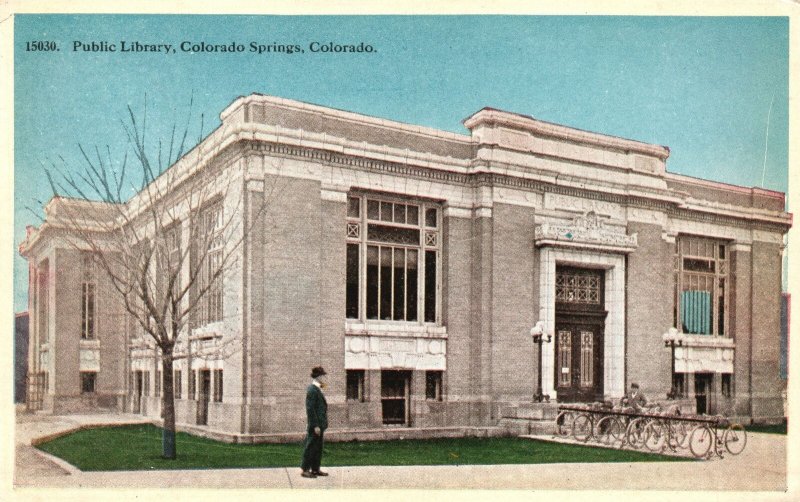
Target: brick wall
481, 318
513, 313
292, 341
65, 381
650, 291
767, 385
740, 317
461, 380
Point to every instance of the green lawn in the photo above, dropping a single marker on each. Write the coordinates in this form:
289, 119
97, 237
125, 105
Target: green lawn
771, 429
138, 447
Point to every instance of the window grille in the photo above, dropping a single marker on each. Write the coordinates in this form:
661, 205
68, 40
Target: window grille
355, 385
88, 296
211, 257
701, 284
578, 286
392, 266
433, 385
218, 386
88, 381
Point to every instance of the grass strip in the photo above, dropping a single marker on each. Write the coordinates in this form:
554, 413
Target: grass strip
769, 429
138, 447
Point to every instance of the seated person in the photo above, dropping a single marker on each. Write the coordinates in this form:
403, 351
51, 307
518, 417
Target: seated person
635, 398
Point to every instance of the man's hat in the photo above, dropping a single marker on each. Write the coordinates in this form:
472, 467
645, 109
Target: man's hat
317, 371
634, 384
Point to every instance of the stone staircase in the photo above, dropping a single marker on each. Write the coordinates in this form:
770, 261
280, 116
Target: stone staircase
537, 419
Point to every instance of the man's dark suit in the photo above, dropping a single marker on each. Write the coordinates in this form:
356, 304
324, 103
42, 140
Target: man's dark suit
317, 413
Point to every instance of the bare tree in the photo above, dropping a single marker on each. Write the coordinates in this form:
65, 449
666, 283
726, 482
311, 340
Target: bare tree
167, 247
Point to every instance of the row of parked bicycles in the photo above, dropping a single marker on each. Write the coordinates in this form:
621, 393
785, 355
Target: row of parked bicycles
652, 429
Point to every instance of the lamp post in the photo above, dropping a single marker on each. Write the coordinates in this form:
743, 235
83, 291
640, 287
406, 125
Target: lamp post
671, 342
539, 337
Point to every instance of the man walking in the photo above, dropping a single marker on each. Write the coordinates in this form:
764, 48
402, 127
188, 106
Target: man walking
317, 414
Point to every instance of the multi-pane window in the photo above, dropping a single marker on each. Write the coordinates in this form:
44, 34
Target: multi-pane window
433, 385
579, 286
157, 384
355, 385
88, 296
211, 242
177, 384
192, 384
218, 386
145, 383
701, 285
88, 381
679, 385
392, 268
43, 296
726, 385
170, 260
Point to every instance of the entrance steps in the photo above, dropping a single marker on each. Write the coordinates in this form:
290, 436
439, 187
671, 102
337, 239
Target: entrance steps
537, 419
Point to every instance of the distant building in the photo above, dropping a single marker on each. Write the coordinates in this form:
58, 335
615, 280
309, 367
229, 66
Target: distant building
20, 356
412, 264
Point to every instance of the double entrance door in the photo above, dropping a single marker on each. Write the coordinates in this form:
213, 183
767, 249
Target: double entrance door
580, 320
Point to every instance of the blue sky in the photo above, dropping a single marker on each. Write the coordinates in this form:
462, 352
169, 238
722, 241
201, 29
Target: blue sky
701, 86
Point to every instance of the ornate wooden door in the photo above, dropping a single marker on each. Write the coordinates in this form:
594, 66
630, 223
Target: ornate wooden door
579, 362
580, 319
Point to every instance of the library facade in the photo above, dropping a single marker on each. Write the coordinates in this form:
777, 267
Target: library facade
414, 265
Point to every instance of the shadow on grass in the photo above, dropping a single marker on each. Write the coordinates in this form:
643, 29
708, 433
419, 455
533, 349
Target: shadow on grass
138, 447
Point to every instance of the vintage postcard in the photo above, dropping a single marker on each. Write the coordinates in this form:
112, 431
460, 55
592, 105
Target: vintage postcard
504, 250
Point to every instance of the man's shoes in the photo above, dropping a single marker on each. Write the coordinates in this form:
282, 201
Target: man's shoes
319, 473
309, 474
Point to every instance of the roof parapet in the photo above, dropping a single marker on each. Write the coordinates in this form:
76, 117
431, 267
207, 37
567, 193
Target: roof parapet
491, 117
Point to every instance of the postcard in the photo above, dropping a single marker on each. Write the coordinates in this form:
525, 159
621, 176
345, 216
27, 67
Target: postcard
348, 251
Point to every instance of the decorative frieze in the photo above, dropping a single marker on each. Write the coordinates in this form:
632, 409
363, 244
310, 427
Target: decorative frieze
390, 352
89, 359
701, 353
585, 231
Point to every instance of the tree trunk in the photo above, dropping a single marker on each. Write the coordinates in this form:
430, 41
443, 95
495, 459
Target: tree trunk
169, 450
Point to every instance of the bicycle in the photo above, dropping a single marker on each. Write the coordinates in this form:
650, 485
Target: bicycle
564, 423
703, 437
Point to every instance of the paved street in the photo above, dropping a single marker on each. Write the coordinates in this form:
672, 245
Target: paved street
762, 466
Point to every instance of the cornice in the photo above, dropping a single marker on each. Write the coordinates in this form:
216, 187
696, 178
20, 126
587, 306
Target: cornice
343, 116
673, 205
489, 116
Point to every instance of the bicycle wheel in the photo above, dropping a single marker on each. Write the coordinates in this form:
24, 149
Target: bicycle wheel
602, 429
679, 431
700, 441
655, 433
634, 434
582, 428
735, 439
615, 432
564, 422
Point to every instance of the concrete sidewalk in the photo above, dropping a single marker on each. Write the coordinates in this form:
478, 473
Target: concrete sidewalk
761, 467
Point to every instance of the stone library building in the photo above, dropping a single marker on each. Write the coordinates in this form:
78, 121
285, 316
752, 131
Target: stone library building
415, 264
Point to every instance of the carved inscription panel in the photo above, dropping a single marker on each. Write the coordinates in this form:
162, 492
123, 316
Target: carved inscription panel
579, 205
